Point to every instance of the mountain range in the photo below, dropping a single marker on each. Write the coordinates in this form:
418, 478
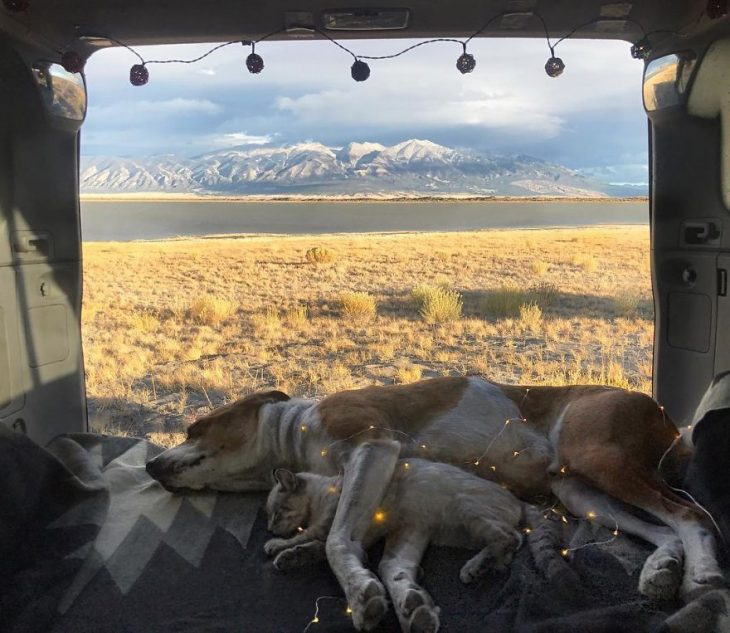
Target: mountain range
412, 167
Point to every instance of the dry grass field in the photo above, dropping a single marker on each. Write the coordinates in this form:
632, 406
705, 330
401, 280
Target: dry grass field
174, 327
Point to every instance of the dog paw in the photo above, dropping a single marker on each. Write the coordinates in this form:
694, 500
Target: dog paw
698, 582
275, 545
424, 619
369, 607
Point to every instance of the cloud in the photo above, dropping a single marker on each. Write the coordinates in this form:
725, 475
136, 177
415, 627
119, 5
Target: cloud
177, 106
241, 138
591, 115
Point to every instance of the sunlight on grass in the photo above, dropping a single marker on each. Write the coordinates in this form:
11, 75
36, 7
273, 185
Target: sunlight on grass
437, 304
358, 306
173, 327
211, 310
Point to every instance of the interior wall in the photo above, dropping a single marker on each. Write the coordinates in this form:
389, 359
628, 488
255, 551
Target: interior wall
42, 392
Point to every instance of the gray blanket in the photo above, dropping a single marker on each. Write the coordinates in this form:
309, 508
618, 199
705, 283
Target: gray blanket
88, 542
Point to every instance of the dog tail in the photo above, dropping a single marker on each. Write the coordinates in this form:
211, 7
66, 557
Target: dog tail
545, 541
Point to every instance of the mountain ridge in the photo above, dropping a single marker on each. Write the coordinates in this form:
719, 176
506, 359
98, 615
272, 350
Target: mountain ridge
413, 166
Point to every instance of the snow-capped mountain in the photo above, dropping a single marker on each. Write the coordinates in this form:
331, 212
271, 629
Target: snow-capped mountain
411, 167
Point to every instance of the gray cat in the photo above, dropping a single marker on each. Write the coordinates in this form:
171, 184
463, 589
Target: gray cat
426, 502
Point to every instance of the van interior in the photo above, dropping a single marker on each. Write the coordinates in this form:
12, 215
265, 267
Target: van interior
685, 47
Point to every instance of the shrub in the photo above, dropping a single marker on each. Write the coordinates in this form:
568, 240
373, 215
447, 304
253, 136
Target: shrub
210, 310
407, 373
359, 306
627, 304
266, 324
539, 267
544, 294
318, 255
585, 261
530, 315
505, 301
144, 322
439, 304
297, 316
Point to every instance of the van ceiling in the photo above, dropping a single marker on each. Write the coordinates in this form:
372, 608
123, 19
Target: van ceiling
55, 24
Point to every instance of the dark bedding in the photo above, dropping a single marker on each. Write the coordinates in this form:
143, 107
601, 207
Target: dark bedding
90, 543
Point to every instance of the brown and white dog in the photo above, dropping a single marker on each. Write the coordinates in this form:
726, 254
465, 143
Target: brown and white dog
597, 449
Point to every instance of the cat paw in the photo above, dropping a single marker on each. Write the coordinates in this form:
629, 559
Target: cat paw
424, 619
299, 556
275, 545
661, 575
369, 606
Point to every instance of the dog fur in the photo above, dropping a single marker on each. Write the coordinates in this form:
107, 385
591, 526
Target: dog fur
597, 449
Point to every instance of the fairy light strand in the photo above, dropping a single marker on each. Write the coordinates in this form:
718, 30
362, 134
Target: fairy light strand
315, 618
360, 70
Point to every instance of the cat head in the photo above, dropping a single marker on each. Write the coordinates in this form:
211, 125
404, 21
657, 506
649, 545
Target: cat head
288, 506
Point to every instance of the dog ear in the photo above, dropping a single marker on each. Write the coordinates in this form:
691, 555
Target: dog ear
272, 396
288, 480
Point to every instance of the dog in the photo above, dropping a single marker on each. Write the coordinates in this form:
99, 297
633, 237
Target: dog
598, 449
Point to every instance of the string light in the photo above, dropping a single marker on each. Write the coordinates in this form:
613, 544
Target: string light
406, 465
554, 67
481, 457
254, 62
466, 62
303, 428
614, 535
72, 62
563, 470
315, 618
379, 516
717, 9
641, 49
16, 6
359, 70
323, 452
139, 75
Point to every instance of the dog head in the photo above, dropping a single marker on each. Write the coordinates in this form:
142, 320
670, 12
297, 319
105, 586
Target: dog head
220, 451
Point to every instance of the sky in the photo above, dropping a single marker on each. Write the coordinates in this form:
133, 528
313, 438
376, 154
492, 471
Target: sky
590, 117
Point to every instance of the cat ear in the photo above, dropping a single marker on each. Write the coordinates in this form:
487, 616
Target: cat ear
287, 479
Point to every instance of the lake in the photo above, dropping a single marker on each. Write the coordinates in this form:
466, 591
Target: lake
132, 220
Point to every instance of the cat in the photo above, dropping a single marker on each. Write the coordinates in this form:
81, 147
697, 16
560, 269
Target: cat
425, 503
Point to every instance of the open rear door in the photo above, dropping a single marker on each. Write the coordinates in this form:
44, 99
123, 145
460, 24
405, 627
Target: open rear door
690, 142
41, 368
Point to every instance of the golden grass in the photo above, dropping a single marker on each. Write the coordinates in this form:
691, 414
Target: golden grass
358, 306
539, 267
318, 255
210, 310
437, 304
173, 327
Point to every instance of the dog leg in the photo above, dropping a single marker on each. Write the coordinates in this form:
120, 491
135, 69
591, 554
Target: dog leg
399, 569
368, 472
662, 572
302, 555
501, 544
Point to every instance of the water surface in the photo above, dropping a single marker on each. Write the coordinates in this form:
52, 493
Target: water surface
132, 220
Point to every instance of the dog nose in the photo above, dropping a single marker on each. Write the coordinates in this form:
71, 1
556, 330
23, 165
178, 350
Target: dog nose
153, 468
